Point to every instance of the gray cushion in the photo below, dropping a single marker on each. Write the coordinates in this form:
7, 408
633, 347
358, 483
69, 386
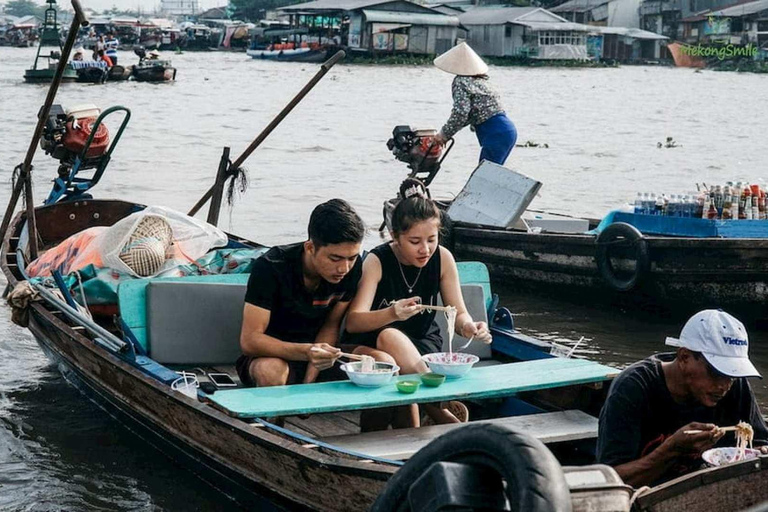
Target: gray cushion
475, 302
194, 323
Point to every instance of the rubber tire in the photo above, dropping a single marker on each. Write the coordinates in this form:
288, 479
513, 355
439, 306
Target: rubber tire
604, 240
535, 480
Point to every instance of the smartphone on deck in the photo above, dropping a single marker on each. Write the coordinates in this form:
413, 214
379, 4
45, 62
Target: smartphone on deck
222, 380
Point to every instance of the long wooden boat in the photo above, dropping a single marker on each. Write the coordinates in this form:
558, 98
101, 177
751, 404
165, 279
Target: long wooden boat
292, 55
678, 274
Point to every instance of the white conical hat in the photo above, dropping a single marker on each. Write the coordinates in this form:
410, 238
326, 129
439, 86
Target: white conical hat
461, 60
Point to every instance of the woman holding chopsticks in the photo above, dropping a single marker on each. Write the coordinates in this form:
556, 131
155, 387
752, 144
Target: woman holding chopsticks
399, 280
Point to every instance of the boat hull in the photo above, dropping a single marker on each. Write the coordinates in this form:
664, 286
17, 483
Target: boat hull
44, 76
154, 74
685, 274
296, 55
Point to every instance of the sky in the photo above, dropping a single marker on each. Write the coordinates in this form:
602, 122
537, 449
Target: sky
146, 5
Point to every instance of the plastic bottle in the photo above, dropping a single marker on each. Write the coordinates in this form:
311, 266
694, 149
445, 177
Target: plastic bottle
745, 195
705, 206
646, 198
727, 203
659, 206
652, 204
761, 205
639, 204
755, 202
748, 207
712, 212
719, 201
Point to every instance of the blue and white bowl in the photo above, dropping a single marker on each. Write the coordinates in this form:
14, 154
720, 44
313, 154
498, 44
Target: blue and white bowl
452, 365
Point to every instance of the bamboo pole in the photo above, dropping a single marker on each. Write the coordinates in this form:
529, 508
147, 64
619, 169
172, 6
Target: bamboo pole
324, 68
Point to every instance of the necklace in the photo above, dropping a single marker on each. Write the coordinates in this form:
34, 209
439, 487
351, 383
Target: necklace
407, 284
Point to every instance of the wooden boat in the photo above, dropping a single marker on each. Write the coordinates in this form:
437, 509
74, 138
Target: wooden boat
49, 37
291, 55
677, 274
154, 70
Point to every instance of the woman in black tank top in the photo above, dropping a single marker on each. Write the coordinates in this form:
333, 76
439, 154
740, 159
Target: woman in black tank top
400, 275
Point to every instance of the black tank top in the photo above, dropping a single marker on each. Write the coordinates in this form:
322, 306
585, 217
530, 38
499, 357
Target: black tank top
403, 281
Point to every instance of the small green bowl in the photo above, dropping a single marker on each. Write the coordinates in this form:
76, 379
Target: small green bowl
408, 386
432, 379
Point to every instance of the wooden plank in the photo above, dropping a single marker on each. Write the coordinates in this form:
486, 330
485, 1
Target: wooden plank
548, 427
485, 382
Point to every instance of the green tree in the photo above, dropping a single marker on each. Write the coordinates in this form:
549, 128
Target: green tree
23, 8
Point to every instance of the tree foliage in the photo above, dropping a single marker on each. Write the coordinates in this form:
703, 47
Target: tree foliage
23, 8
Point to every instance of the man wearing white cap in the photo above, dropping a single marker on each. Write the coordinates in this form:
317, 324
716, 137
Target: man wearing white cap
475, 103
701, 386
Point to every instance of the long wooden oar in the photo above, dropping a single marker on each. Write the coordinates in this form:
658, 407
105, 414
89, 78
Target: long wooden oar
25, 177
324, 68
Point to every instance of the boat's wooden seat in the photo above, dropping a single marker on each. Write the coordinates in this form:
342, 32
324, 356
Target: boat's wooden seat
401, 444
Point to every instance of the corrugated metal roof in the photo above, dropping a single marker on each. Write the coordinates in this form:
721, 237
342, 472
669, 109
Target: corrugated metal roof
554, 26
494, 15
578, 5
411, 18
743, 9
629, 32
340, 5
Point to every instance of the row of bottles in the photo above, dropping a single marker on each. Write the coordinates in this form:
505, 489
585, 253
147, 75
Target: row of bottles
729, 202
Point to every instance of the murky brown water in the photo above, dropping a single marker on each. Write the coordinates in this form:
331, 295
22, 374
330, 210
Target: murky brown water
57, 450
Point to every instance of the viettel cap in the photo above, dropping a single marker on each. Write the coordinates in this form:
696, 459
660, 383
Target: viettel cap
461, 60
721, 338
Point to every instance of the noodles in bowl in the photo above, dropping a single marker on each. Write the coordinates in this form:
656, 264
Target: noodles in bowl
452, 365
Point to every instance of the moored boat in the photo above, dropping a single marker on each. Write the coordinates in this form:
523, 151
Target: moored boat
306, 54
49, 37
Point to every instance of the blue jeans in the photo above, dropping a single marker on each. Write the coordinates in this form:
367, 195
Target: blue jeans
497, 137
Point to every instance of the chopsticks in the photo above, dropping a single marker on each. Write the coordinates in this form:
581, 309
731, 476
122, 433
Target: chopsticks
436, 308
353, 356
693, 432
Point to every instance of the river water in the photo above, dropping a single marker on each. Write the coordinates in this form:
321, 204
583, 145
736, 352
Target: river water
58, 451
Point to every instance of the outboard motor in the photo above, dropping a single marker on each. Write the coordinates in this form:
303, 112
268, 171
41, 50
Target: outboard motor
418, 149
79, 140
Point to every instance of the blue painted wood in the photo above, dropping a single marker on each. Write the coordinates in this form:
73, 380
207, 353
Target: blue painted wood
692, 227
485, 382
474, 272
519, 346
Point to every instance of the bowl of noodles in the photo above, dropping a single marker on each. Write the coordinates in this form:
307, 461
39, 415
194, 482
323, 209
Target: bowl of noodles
450, 364
380, 374
722, 456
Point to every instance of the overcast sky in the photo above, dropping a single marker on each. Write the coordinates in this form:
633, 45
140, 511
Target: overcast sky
146, 5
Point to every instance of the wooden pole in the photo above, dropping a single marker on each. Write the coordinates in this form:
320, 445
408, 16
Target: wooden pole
218, 188
324, 68
25, 178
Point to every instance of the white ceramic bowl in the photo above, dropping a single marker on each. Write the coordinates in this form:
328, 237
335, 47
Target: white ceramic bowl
722, 456
370, 380
452, 365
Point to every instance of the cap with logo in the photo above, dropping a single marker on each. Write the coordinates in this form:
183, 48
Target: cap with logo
721, 339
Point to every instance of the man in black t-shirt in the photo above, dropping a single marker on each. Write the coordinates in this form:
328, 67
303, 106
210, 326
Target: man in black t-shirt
701, 387
296, 298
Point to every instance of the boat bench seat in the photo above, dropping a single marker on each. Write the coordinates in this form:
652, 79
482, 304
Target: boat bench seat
197, 319
401, 444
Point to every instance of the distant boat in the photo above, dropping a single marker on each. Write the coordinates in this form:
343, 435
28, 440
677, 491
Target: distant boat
291, 55
49, 37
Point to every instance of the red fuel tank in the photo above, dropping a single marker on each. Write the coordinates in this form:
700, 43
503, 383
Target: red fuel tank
78, 131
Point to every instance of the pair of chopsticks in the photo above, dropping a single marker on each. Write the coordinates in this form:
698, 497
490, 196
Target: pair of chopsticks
693, 432
435, 308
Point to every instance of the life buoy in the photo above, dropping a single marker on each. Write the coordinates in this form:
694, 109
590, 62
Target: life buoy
621, 233
534, 478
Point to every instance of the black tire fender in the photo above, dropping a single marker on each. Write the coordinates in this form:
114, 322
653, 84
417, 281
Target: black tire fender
621, 233
535, 480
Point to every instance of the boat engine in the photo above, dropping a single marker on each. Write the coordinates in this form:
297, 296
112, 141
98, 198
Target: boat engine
79, 140
418, 149
66, 133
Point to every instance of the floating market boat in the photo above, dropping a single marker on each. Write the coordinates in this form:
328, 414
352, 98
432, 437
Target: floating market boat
49, 37
290, 54
674, 265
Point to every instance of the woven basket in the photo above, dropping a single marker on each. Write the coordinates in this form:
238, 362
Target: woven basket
145, 251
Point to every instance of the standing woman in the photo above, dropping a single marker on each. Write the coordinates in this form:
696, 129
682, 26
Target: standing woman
397, 277
476, 103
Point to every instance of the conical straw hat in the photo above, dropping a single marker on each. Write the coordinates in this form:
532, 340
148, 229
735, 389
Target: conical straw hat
461, 60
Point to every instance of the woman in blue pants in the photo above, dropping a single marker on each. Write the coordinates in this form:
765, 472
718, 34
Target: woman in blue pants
476, 103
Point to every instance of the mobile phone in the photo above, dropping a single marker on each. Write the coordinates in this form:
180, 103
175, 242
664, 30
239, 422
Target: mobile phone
222, 380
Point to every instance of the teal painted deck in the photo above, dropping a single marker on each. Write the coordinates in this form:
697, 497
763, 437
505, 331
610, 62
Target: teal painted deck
486, 382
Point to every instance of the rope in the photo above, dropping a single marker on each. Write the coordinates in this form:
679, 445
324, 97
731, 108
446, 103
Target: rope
639, 492
238, 181
14, 177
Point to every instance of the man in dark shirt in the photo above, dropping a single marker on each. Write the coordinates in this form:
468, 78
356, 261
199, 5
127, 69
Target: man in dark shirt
701, 387
296, 298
